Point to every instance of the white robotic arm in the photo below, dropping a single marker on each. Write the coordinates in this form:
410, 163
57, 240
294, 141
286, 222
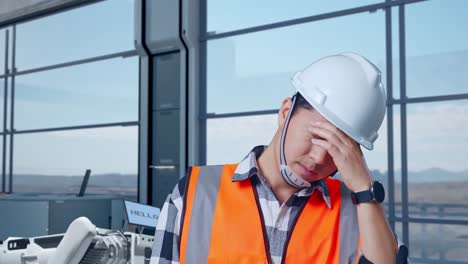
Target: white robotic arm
83, 243
75, 243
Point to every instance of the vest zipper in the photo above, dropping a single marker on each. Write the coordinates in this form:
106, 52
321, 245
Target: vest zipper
290, 231
262, 220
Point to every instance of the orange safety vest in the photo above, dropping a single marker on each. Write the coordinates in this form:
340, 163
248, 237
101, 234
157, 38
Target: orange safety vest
222, 223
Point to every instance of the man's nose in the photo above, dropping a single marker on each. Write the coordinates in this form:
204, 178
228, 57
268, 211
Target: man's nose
318, 155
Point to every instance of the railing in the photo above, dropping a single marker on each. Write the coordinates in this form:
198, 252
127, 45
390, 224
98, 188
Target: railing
432, 242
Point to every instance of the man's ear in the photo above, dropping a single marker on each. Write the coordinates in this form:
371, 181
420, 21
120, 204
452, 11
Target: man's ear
284, 110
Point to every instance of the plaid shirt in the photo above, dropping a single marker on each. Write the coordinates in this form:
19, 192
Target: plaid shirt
278, 217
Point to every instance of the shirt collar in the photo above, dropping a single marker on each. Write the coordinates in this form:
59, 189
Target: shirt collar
247, 168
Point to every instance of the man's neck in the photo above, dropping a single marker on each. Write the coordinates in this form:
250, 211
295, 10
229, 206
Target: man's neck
269, 165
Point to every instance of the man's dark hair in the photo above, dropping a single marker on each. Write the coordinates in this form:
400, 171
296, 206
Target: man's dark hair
301, 102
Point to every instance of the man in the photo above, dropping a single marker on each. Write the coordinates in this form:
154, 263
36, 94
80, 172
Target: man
279, 205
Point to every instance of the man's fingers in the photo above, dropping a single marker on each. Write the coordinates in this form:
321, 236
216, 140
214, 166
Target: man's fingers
336, 131
331, 149
327, 135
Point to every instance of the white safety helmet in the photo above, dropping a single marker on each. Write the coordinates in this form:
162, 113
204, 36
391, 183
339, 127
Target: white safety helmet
347, 90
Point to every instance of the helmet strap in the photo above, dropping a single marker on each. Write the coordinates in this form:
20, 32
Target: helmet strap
289, 176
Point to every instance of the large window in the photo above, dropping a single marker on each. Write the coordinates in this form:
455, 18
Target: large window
248, 73
437, 128
254, 70
436, 48
104, 91
437, 160
224, 16
230, 139
75, 104
91, 31
438, 243
55, 162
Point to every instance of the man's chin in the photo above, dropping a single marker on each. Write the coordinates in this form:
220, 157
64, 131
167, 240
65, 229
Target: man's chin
313, 178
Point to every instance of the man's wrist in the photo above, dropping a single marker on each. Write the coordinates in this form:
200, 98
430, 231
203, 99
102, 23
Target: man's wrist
363, 185
374, 193
362, 188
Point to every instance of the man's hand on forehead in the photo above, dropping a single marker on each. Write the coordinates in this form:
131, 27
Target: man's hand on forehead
328, 124
345, 152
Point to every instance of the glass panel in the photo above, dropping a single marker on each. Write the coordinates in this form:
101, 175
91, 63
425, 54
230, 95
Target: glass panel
229, 140
377, 158
4, 137
439, 65
397, 158
2, 51
226, 16
253, 71
437, 161
398, 231
7, 162
92, 30
438, 243
98, 92
396, 52
3, 48
55, 162
2, 103
1, 166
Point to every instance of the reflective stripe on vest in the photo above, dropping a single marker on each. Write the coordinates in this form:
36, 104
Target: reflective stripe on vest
222, 223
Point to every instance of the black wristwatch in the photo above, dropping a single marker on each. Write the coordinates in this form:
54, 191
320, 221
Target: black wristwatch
375, 193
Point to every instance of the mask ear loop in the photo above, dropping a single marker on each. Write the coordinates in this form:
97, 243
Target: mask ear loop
288, 175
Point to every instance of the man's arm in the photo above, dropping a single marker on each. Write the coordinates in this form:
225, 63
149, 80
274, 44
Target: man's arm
378, 244
166, 236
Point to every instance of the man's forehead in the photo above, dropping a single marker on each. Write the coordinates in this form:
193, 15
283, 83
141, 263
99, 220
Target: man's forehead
316, 116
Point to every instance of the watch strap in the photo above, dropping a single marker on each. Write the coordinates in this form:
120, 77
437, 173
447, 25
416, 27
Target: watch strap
362, 197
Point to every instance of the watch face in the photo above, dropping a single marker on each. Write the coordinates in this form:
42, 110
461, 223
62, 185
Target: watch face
379, 192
